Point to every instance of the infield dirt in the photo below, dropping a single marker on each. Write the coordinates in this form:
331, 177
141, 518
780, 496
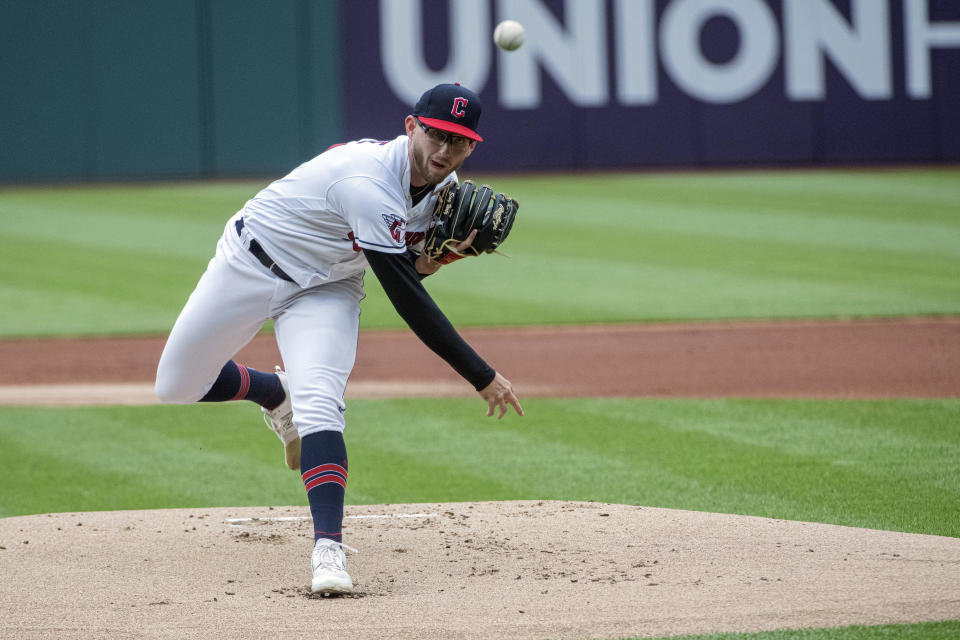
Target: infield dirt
913, 357
483, 570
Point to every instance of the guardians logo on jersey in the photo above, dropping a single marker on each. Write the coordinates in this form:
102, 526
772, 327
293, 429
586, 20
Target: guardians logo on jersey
396, 224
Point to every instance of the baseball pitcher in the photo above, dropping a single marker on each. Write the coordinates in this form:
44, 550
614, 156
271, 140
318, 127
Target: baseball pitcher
297, 253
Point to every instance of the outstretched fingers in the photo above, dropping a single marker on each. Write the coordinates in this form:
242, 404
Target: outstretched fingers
499, 395
501, 404
511, 399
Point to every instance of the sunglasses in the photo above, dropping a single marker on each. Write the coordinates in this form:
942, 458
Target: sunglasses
441, 138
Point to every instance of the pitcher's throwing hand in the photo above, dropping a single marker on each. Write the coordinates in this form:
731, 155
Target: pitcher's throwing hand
499, 393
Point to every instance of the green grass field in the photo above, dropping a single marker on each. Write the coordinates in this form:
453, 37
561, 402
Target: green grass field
107, 260
633, 248
891, 464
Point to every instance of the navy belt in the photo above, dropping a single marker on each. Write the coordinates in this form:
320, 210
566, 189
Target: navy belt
262, 256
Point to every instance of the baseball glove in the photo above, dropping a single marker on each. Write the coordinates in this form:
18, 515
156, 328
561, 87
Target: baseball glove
462, 208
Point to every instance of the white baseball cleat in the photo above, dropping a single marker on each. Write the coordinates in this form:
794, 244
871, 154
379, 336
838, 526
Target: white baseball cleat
280, 420
330, 568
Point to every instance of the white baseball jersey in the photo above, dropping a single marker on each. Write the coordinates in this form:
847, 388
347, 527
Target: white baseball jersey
314, 222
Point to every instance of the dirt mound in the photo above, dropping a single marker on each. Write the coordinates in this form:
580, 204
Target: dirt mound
505, 570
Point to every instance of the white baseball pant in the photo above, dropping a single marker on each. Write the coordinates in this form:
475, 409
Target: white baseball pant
316, 331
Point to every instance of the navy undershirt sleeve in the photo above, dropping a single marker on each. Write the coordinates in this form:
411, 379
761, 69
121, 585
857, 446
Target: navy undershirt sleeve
401, 282
411, 257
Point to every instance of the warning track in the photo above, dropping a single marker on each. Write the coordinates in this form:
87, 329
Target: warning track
912, 357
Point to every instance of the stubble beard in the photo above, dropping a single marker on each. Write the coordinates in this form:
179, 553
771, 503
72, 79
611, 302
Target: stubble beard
421, 160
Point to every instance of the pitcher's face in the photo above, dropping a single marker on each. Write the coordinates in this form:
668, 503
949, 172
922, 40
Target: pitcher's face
435, 154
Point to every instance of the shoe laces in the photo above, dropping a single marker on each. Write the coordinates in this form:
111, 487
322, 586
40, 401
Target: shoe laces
330, 554
281, 424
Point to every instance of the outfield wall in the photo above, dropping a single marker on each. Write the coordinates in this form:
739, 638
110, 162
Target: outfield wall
106, 89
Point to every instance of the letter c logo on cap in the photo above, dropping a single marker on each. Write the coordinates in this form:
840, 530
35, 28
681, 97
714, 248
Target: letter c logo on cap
459, 104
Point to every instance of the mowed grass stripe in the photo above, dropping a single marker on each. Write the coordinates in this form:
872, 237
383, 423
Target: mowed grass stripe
75, 290
783, 220
110, 458
878, 464
867, 193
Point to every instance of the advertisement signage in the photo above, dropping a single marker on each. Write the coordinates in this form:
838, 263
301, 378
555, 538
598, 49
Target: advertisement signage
641, 83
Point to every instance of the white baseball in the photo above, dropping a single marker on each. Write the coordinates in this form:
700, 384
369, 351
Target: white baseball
508, 35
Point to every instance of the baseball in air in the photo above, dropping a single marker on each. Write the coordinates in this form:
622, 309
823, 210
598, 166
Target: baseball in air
508, 35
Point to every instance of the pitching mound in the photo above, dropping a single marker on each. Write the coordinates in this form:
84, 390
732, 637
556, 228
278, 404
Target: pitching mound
505, 569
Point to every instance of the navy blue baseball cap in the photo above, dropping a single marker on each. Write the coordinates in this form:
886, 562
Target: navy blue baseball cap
450, 107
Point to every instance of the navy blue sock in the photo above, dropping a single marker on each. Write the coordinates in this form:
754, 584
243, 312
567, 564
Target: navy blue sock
323, 463
237, 382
